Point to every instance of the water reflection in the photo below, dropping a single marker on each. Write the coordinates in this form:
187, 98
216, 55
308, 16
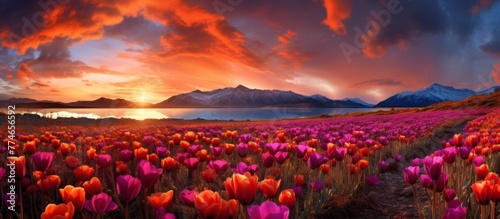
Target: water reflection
185, 113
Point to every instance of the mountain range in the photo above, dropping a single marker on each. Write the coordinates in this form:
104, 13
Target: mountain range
244, 97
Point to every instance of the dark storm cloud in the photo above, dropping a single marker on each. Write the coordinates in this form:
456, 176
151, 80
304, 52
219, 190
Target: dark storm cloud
492, 48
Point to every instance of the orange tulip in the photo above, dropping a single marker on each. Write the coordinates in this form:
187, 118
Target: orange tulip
60, 211
29, 147
202, 155
93, 186
189, 137
71, 162
65, 149
287, 198
215, 142
73, 195
136, 145
55, 143
493, 177
91, 154
495, 193
299, 180
161, 199
185, 145
209, 175
325, 168
269, 187
228, 149
482, 191
176, 138
243, 187
141, 153
121, 167
168, 164
153, 158
363, 164
210, 205
83, 173
482, 171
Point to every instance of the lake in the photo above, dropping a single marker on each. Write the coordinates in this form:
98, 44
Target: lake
194, 113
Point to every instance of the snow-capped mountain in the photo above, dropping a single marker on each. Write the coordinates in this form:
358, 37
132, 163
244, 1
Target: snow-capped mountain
489, 90
357, 100
242, 96
433, 94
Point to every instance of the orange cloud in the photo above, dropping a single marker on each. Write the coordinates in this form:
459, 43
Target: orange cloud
25, 72
496, 72
288, 51
336, 12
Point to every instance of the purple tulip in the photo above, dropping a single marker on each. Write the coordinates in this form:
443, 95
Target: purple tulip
148, 173
478, 161
411, 174
161, 213
316, 186
220, 166
441, 182
268, 210
301, 150
383, 166
315, 160
416, 162
187, 197
455, 213
454, 203
100, 203
464, 152
242, 149
280, 157
240, 168
216, 151
433, 166
449, 195
426, 181
126, 155
267, 159
398, 157
297, 190
162, 152
42, 160
128, 187
355, 159
253, 168
103, 160
272, 148
372, 180
449, 154
340, 154
191, 163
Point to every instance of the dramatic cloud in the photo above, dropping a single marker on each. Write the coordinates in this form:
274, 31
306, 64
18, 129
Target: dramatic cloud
289, 51
492, 48
495, 74
336, 12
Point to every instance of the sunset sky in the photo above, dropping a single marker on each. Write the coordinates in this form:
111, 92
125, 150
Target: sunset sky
149, 50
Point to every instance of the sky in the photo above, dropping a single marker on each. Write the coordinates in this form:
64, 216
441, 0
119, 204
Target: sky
149, 50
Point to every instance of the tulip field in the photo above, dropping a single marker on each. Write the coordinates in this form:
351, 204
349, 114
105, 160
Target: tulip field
296, 168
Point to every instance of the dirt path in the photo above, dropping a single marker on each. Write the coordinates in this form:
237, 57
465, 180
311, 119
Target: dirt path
391, 198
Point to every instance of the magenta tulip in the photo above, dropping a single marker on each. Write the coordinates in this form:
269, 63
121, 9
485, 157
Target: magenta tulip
148, 173
42, 160
268, 210
100, 203
103, 160
433, 166
411, 174
128, 187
